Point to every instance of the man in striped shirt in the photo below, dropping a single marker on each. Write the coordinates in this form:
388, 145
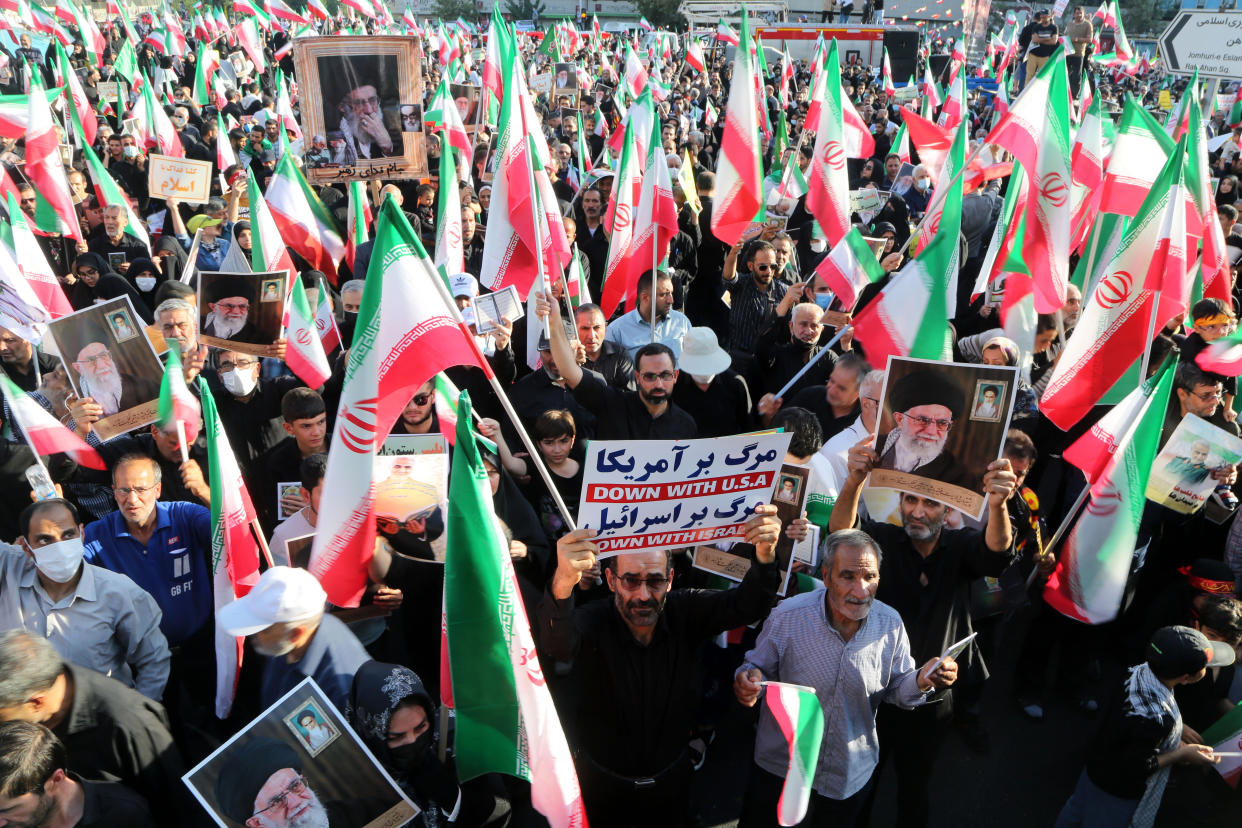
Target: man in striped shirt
853, 651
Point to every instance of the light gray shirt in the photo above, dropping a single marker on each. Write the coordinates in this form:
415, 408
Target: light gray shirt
108, 623
632, 332
850, 678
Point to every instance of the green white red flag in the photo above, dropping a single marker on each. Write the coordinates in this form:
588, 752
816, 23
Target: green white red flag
1116, 455
626, 188
325, 321
1225, 737
506, 721
304, 351
54, 208
850, 267
1224, 356
41, 281
408, 330
655, 221
450, 255
234, 550
176, 404
301, 219
43, 432
797, 712
268, 253
739, 168
828, 194
1139, 151
359, 213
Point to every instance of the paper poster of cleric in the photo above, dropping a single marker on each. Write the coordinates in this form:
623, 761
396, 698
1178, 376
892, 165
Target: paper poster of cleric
364, 95
109, 359
411, 495
1184, 473
298, 763
941, 424
241, 311
565, 84
466, 98
789, 498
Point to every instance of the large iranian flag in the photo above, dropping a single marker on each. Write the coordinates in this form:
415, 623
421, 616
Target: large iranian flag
234, 550
1116, 455
268, 253
1113, 329
407, 331
739, 169
31, 262
450, 253
655, 221
304, 352
619, 219
44, 433
1139, 151
828, 194
506, 721
1037, 131
797, 712
359, 213
304, 223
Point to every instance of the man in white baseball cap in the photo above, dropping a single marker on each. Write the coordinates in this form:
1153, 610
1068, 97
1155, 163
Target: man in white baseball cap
284, 617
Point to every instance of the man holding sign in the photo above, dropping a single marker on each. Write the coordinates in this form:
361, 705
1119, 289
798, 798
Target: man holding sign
636, 677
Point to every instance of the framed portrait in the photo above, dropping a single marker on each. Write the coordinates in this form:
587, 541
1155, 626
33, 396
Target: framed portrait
311, 727
988, 401
301, 759
411, 117
466, 98
940, 425
353, 93
241, 312
108, 358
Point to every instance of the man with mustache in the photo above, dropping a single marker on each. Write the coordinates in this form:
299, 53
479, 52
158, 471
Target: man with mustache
228, 310
99, 380
925, 575
925, 405
853, 651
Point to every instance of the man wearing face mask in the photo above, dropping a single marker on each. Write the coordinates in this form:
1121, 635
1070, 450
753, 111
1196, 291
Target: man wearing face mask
248, 404
351, 301
708, 389
284, 617
805, 328
92, 616
919, 196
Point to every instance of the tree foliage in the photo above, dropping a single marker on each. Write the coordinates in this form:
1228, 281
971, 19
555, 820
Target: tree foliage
663, 14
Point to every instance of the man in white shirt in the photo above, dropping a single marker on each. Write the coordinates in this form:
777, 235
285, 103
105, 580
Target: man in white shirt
837, 448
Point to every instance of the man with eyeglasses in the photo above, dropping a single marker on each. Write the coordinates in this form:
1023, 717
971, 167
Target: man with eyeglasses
1199, 393
362, 123
1213, 319
646, 414
248, 404
631, 698
925, 575
925, 405
262, 786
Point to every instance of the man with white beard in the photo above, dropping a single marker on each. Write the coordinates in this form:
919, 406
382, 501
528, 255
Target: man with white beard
262, 786
228, 310
100, 381
362, 123
925, 404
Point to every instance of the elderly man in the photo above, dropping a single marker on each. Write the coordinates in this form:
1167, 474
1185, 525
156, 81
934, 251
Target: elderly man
114, 239
638, 658
95, 618
853, 651
99, 380
836, 403
925, 405
228, 310
262, 786
284, 617
362, 124
805, 326
925, 576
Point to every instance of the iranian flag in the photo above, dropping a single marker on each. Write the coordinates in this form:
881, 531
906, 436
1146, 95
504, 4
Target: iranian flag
1037, 131
828, 195
506, 721
268, 253
109, 193
797, 712
725, 34
325, 321
54, 209
889, 88
408, 330
635, 74
252, 43
627, 184
225, 155
850, 267
694, 56
234, 550
1224, 356
901, 144
40, 284
1139, 151
1112, 331
1225, 736
575, 284
931, 141
450, 256
739, 169
44, 433
303, 222
1116, 455
177, 406
283, 11
655, 222
85, 124
359, 219
304, 352
1201, 216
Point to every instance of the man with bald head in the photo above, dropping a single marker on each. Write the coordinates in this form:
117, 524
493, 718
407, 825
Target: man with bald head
633, 690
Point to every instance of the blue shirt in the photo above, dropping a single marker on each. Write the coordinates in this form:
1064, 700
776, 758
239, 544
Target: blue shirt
172, 566
332, 659
632, 332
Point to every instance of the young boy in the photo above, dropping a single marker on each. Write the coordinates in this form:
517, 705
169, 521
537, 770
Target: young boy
1213, 319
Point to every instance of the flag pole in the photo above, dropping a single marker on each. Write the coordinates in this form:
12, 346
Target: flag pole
1151, 336
258, 536
813, 360
185, 449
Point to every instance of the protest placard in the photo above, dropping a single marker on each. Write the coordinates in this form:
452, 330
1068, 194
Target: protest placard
411, 494
662, 494
299, 746
1182, 473
184, 179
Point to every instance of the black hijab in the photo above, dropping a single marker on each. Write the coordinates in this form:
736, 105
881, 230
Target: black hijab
379, 689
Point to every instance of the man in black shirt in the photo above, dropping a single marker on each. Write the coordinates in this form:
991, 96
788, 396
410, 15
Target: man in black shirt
608, 359
925, 575
22, 363
633, 690
645, 414
836, 403
1044, 39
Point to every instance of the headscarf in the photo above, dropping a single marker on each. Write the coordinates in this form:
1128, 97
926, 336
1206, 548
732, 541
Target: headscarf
140, 267
80, 294
175, 263
379, 689
237, 260
113, 286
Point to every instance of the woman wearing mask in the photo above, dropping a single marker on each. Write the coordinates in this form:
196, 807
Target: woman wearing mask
92, 280
397, 719
145, 275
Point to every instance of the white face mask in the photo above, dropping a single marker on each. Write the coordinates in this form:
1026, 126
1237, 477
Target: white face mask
923, 183
238, 383
819, 245
145, 283
60, 561
703, 379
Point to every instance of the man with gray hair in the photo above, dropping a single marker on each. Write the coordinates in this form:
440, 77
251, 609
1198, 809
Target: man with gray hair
836, 449
853, 651
109, 730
